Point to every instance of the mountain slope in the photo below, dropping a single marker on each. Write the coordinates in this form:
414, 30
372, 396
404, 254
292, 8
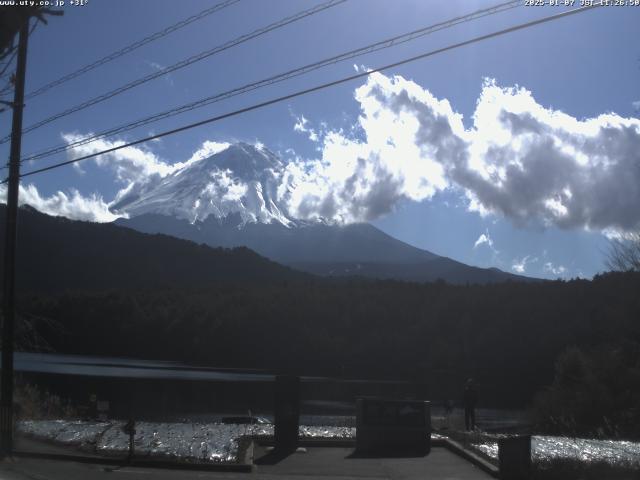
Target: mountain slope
240, 180
307, 242
328, 250
55, 253
235, 198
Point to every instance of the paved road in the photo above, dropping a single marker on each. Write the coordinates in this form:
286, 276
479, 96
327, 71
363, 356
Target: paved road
318, 463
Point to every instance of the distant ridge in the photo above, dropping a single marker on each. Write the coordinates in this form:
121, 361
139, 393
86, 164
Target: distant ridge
198, 202
55, 253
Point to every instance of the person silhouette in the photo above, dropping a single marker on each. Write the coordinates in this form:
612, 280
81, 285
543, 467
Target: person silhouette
470, 399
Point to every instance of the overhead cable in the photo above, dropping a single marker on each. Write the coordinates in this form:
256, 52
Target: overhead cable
183, 63
131, 47
316, 88
375, 47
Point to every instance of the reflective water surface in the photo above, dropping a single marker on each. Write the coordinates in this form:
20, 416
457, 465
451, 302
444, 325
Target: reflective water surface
215, 442
209, 442
545, 449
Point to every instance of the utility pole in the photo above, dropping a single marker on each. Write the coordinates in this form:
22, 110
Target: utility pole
8, 300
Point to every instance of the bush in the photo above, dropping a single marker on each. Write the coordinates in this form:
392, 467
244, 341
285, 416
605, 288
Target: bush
31, 403
595, 392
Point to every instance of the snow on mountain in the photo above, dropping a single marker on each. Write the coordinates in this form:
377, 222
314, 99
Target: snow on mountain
241, 180
231, 199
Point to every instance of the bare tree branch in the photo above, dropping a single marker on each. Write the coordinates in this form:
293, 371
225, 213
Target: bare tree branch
624, 254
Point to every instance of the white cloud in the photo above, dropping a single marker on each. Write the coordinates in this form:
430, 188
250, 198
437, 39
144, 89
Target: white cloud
359, 180
361, 68
135, 167
518, 159
225, 187
533, 164
129, 164
558, 270
520, 266
207, 149
71, 205
484, 239
484, 243
301, 126
636, 105
618, 235
158, 68
136, 164
151, 133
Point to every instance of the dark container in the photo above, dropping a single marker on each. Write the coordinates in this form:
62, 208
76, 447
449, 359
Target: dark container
387, 427
514, 457
287, 412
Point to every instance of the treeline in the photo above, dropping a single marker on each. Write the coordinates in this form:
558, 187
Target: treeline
507, 336
595, 392
55, 254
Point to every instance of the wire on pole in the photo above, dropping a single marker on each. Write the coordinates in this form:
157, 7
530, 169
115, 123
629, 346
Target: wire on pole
375, 47
134, 46
184, 63
316, 88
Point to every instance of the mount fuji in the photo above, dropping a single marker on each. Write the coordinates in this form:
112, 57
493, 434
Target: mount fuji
232, 198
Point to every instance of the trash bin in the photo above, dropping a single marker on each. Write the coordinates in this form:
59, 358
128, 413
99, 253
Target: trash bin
393, 427
514, 457
287, 412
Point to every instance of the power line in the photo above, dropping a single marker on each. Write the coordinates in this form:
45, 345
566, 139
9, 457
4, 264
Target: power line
8, 64
316, 88
381, 45
184, 63
134, 46
5, 74
397, 40
10, 50
8, 86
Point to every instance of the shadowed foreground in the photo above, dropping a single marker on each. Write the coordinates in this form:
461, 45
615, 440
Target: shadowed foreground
319, 462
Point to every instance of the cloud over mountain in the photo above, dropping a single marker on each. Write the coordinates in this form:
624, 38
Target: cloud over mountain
71, 205
129, 164
518, 159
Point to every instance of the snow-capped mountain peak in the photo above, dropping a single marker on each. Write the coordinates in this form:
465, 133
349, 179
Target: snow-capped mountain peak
241, 180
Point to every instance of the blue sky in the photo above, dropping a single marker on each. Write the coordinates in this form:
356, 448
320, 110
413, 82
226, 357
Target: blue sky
585, 66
